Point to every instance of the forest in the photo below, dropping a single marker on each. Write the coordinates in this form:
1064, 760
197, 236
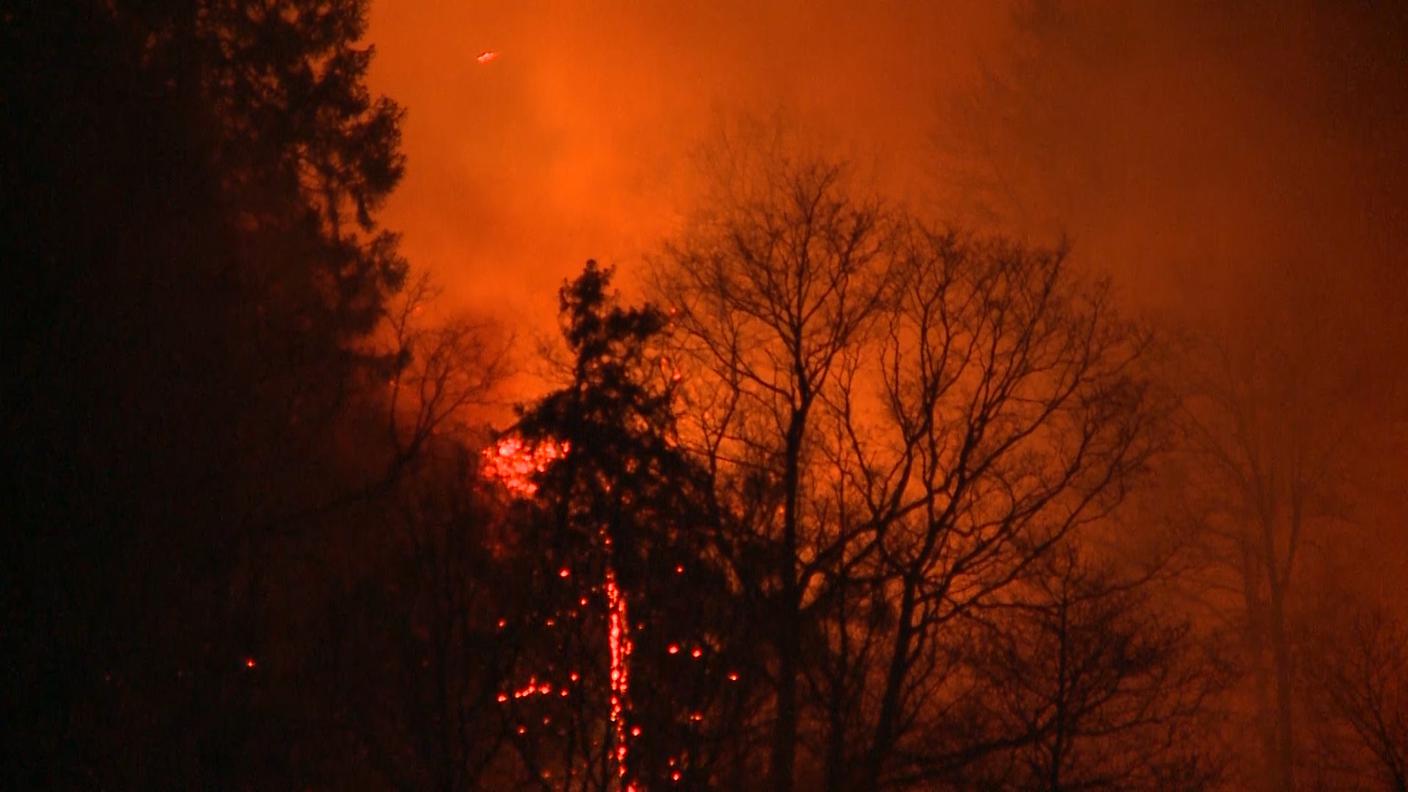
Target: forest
831, 489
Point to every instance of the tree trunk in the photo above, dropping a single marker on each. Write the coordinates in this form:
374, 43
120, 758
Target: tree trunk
1281, 659
784, 742
886, 722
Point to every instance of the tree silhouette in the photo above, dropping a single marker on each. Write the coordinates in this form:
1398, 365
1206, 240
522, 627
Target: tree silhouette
192, 188
622, 513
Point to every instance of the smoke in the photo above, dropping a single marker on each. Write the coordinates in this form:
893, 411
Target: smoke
1240, 168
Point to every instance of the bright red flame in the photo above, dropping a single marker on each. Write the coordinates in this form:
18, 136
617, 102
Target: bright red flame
515, 464
619, 640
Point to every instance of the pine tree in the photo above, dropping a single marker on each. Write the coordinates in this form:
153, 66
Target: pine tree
621, 513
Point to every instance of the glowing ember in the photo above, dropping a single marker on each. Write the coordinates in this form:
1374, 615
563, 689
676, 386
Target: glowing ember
515, 464
619, 639
249, 662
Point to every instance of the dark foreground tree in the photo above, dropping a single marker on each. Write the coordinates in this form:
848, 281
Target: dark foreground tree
190, 190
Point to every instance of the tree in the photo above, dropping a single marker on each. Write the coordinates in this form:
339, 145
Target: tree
1083, 684
769, 294
1271, 436
193, 186
631, 595
1013, 413
1358, 672
906, 420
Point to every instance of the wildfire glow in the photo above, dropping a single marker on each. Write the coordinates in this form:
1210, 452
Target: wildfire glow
514, 463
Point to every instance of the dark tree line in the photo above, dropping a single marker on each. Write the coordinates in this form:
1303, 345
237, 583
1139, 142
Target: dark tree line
190, 192
846, 506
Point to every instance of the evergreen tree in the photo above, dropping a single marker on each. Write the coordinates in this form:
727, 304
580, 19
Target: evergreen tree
621, 507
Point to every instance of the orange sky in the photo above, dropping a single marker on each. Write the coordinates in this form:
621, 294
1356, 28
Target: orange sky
576, 142
1198, 152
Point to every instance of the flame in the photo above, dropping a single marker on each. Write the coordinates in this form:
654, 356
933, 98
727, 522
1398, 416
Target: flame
514, 463
619, 640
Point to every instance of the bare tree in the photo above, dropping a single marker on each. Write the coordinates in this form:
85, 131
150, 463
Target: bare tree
769, 293
1360, 677
902, 421
1270, 433
439, 371
1012, 412
1087, 684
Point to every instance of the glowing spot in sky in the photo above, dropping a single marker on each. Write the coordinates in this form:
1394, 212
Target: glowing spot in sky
487, 56
249, 662
673, 649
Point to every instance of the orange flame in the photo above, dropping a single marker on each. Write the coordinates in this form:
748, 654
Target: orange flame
619, 639
514, 463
